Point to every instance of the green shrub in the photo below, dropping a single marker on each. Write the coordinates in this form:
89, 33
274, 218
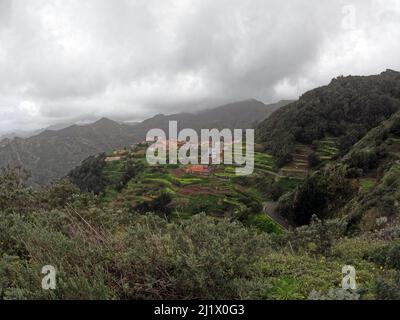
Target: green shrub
266, 224
314, 160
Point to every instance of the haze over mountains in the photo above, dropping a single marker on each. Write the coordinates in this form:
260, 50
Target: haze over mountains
238, 115
51, 154
31, 133
347, 108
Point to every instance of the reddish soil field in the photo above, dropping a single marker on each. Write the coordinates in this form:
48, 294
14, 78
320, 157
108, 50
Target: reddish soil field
178, 172
197, 189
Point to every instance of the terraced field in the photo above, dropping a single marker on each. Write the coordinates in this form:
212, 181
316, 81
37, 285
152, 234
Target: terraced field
394, 142
264, 164
327, 148
221, 194
298, 168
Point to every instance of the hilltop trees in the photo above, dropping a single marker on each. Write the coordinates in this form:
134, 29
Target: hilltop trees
348, 107
89, 176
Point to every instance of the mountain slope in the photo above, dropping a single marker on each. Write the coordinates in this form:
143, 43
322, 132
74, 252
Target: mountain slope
374, 165
52, 154
239, 115
346, 108
363, 186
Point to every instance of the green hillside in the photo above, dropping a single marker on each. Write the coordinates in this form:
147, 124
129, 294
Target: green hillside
362, 186
117, 228
346, 109
129, 183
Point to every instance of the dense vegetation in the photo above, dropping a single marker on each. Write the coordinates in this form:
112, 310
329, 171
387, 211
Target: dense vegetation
363, 186
101, 253
347, 108
89, 175
327, 195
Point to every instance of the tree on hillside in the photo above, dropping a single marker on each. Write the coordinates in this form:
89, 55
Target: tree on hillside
347, 108
89, 176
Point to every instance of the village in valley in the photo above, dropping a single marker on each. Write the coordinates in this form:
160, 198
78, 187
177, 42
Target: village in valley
216, 154
179, 191
183, 190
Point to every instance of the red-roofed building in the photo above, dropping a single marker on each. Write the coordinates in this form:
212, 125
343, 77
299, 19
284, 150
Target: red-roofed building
199, 169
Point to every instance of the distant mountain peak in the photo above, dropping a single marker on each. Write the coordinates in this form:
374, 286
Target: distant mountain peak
105, 120
60, 151
390, 71
104, 123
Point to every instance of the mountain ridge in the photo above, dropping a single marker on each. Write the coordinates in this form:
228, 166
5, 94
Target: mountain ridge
52, 154
347, 108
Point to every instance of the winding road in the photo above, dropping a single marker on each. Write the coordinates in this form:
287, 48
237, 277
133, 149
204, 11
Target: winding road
270, 209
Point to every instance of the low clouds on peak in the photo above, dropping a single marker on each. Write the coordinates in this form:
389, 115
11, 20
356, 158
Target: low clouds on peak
78, 60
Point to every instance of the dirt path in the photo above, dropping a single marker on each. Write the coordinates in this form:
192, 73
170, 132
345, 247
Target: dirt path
270, 209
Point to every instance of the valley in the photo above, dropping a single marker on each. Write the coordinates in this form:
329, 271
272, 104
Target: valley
52, 154
180, 191
323, 194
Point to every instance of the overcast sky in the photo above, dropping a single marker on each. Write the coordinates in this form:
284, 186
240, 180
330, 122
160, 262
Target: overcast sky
63, 60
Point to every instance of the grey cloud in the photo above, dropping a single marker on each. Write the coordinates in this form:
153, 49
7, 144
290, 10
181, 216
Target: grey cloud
78, 60
5, 7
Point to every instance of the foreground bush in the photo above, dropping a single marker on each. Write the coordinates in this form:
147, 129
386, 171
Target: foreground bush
117, 254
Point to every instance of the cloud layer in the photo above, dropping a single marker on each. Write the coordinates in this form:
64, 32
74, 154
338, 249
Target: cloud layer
128, 59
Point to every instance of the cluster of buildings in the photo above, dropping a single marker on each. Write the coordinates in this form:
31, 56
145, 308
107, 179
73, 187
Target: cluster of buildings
202, 170
117, 155
198, 169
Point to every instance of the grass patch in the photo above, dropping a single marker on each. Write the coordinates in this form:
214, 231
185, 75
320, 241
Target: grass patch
264, 223
367, 184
